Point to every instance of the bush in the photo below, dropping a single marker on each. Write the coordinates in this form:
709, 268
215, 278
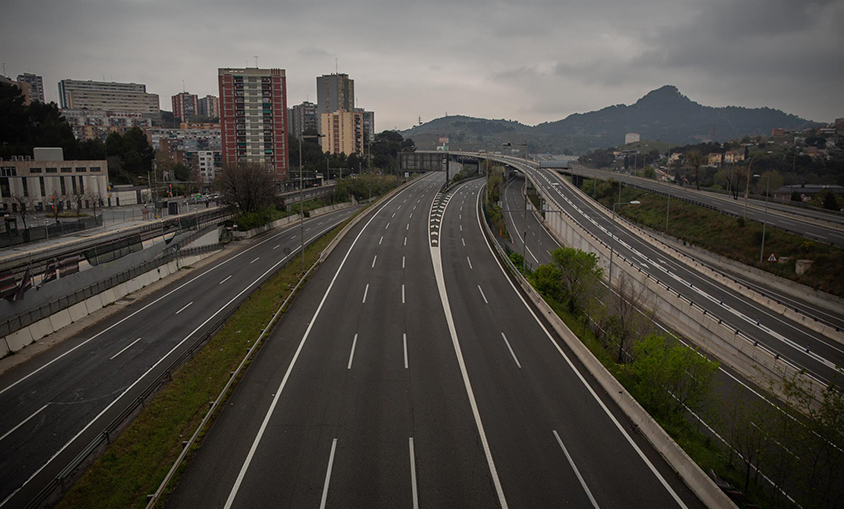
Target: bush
740, 222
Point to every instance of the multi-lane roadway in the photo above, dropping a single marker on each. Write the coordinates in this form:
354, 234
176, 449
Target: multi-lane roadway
55, 404
802, 346
411, 373
812, 223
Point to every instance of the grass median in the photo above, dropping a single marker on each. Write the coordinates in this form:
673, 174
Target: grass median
136, 463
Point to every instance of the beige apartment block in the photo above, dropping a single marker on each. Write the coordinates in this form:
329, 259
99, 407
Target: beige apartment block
342, 131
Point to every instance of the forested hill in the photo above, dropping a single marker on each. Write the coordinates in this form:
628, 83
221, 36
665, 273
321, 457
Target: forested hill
663, 114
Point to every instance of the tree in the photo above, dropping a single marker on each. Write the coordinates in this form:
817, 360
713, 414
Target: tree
631, 316
181, 172
247, 186
669, 378
695, 159
57, 203
829, 202
23, 204
93, 198
579, 273
649, 172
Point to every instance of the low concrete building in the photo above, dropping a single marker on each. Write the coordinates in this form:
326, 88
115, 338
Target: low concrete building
48, 179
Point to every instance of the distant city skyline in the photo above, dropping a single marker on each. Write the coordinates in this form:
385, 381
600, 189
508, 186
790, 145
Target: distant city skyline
532, 62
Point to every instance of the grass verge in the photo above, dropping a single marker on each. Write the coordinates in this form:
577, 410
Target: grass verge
136, 463
730, 237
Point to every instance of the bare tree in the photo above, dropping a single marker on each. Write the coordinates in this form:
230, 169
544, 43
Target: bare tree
695, 160
23, 204
632, 314
93, 199
56, 202
249, 186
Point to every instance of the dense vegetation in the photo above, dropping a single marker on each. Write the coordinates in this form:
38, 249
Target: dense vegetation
796, 450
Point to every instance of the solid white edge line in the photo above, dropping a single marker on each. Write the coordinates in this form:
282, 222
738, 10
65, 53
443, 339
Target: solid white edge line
580, 375
352, 353
414, 489
24, 421
227, 260
576, 471
436, 260
511, 351
365, 291
124, 349
328, 474
283, 383
184, 308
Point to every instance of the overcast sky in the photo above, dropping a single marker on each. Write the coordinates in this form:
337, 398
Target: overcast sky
528, 60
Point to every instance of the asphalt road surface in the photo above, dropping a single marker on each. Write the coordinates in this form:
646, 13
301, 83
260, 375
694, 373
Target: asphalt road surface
779, 334
410, 373
55, 404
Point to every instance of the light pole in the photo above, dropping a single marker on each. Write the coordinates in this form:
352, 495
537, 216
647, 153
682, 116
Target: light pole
612, 236
747, 191
524, 237
765, 217
302, 197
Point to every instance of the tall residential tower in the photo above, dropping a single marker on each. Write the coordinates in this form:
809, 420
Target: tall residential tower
253, 117
335, 92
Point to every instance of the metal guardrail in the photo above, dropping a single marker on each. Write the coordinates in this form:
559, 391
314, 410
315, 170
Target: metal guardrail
27, 318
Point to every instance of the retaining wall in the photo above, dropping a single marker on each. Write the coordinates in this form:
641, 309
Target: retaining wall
730, 346
64, 317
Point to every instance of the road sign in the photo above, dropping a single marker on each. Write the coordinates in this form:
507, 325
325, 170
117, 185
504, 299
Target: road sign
772, 258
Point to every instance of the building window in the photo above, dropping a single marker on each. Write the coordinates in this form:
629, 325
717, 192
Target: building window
81, 169
35, 170
41, 184
67, 170
51, 170
95, 168
73, 184
25, 187
64, 189
81, 185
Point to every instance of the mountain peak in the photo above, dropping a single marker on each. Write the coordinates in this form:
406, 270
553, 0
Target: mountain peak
663, 95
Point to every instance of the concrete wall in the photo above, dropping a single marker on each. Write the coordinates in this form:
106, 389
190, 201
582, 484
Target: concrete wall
703, 259
288, 220
67, 285
729, 346
695, 478
17, 340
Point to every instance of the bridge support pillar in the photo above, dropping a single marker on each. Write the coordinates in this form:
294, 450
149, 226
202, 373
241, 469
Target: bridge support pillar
577, 180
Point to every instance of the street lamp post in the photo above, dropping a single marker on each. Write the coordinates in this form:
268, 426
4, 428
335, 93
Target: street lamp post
765, 218
612, 235
302, 197
747, 190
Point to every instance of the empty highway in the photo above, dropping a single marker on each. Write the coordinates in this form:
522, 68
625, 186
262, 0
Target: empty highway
56, 403
410, 373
